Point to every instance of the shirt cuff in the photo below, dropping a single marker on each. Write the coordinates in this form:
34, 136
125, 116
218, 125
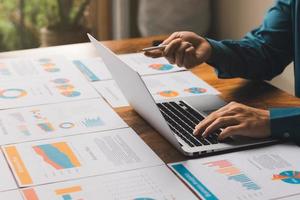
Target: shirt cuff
285, 123
217, 57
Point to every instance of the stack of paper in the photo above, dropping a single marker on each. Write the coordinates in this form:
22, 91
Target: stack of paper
60, 140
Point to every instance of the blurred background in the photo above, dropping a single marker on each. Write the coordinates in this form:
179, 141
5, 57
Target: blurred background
33, 23
38, 23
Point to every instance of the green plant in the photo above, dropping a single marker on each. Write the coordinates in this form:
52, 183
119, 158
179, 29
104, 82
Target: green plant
64, 14
21, 20
16, 32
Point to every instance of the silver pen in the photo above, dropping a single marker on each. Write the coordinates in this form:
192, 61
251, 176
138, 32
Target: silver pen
154, 48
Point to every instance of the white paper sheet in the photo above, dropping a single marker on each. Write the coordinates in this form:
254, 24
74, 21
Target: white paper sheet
265, 173
25, 68
164, 86
57, 120
28, 92
147, 66
11, 195
94, 69
111, 92
177, 85
73, 157
143, 184
7, 181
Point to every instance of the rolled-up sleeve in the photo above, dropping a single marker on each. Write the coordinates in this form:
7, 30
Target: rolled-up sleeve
263, 53
285, 123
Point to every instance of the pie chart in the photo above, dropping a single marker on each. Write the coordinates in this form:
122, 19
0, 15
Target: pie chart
161, 67
13, 93
291, 177
195, 90
168, 93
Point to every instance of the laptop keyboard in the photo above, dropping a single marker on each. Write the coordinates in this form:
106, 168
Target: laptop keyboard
182, 120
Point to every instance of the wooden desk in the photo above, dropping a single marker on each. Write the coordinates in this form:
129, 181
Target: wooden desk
258, 94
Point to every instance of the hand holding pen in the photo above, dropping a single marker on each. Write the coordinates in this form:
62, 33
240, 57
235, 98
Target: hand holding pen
186, 49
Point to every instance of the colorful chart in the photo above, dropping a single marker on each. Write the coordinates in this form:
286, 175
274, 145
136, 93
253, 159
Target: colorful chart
168, 93
24, 130
60, 81
66, 193
66, 125
47, 127
291, 177
196, 90
161, 67
58, 155
71, 93
13, 93
233, 173
92, 122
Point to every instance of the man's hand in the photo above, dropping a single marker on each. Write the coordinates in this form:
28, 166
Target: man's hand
184, 49
236, 119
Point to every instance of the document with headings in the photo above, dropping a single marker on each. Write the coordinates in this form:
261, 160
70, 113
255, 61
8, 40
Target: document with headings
57, 120
7, 181
147, 66
26, 68
142, 184
93, 68
11, 195
37, 91
110, 91
265, 173
73, 157
177, 85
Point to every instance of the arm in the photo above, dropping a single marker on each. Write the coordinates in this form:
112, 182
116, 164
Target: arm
263, 53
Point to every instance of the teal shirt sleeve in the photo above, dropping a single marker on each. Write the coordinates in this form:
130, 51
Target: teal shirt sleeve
285, 122
263, 53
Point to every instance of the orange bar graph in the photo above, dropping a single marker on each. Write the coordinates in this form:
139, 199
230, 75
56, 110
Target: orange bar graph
30, 194
69, 190
18, 165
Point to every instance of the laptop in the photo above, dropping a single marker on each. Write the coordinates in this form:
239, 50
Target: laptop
174, 119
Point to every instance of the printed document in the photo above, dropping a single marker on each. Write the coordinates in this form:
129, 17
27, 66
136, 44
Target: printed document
142, 184
28, 92
110, 91
73, 157
11, 195
57, 120
265, 173
38, 67
94, 68
7, 181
